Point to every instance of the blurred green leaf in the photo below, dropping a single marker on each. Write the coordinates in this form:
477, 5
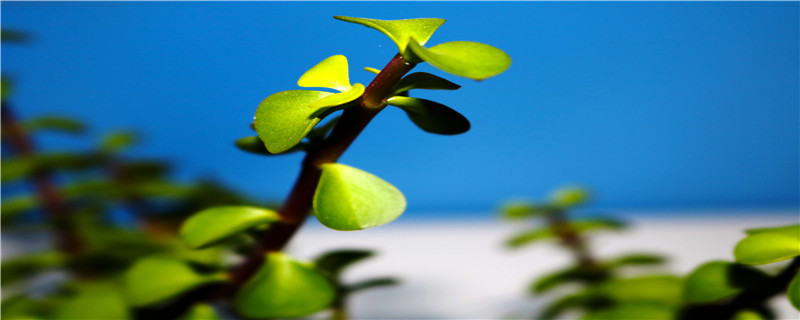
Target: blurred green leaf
16, 168
13, 36
657, 288
94, 300
213, 225
283, 119
793, 291
256, 146
792, 230
566, 303
67, 161
519, 210
546, 233
284, 288
401, 31
208, 257
422, 80
431, 116
597, 223
117, 141
530, 236
13, 207
767, 247
371, 283
330, 73
472, 60
55, 123
636, 259
159, 189
158, 278
718, 280
201, 312
570, 197
635, 310
5, 88
143, 170
351, 199
333, 262
748, 315
552, 280
24, 266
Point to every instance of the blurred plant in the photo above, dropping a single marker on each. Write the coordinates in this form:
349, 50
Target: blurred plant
739, 290
601, 288
268, 283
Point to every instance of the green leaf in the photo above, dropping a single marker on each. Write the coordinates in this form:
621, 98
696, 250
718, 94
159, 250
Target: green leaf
530, 236
332, 263
337, 99
155, 279
558, 278
636, 259
18, 205
5, 88
320, 132
62, 124
431, 116
330, 73
213, 225
657, 288
573, 301
719, 280
16, 168
793, 291
790, 230
94, 301
467, 59
28, 265
401, 31
519, 210
254, 145
143, 169
284, 288
13, 36
767, 247
371, 283
351, 199
634, 310
201, 312
748, 315
283, 119
570, 197
422, 80
597, 223
372, 70
116, 141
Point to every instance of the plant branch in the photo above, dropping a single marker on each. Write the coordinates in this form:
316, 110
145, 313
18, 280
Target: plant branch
572, 240
67, 240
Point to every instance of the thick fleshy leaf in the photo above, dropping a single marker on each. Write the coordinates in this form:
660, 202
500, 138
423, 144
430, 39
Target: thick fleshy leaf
155, 279
793, 291
530, 236
472, 60
62, 124
748, 315
332, 263
254, 145
570, 197
519, 210
212, 225
283, 119
94, 301
351, 199
634, 310
790, 230
423, 80
401, 31
284, 288
431, 116
767, 247
371, 283
201, 312
330, 73
718, 280
338, 99
558, 278
658, 288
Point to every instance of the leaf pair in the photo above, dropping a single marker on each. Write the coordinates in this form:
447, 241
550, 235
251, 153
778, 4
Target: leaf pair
283, 119
462, 58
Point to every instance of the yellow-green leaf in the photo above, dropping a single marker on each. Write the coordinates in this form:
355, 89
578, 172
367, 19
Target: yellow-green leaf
94, 300
570, 197
351, 199
212, 225
330, 73
283, 119
423, 80
431, 116
472, 60
155, 279
767, 247
793, 291
401, 31
790, 230
340, 98
284, 288
718, 280
201, 312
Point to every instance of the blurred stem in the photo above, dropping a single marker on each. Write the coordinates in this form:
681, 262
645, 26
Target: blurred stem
339, 309
574, 242
753, 298
66, 239
298, 204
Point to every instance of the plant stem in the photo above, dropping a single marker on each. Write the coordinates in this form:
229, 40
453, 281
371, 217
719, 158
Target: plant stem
298, 204
752, 298
66, 239
572, 240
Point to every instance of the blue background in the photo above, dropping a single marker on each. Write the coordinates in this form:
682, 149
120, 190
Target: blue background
654, 105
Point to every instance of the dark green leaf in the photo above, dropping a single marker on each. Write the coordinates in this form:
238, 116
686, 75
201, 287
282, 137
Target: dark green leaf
28, 265
793, 291
634, 310
117, 141
17, 168
143, 170
283, 119
332, 263
156, 279
284, 288
371, 283
718, 280
431, 116
767, 247
351, 199
422, 80
94, 300
62, 124
14, 36
256, 146
519, 210
401, 31
213, 225
320, 132
569, 302
472, 60
636, 259
5, 88
558, 278
17, 206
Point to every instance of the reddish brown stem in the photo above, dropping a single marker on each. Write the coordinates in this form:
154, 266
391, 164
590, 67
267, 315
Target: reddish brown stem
66, 239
